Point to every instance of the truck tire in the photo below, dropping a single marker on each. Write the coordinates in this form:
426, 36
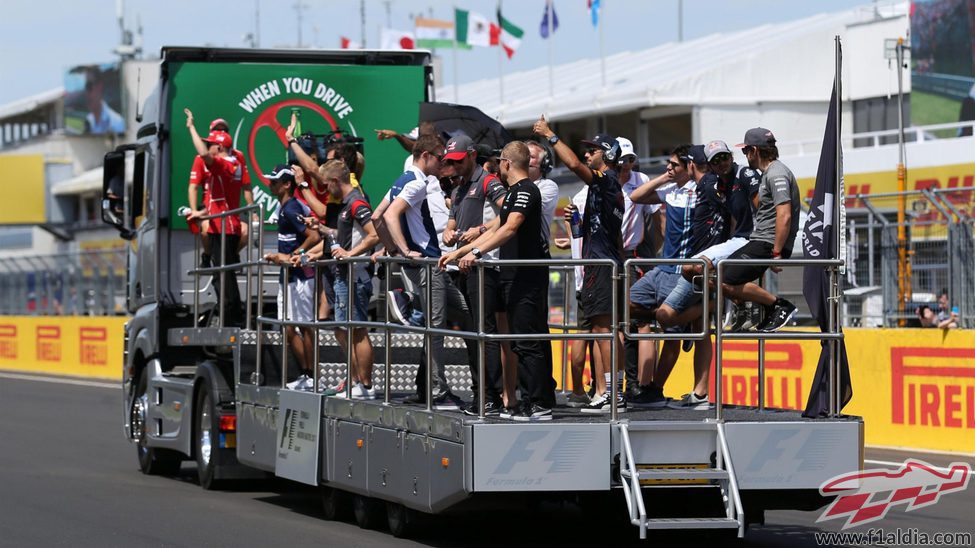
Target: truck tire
335, 504
368, 512
152, 460
401, 520
206, 434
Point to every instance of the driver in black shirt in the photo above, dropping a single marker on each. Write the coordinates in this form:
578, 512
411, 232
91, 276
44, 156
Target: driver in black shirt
525, 288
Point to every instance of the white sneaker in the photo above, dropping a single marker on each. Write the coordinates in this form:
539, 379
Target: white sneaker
299, 383
691, 401
359, 391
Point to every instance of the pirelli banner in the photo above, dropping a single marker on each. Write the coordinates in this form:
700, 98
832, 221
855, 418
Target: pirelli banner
913, 387
80, 346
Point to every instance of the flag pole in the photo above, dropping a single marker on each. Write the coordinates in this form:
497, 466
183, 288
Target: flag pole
835, 311
602, 51
551, 37
500, 61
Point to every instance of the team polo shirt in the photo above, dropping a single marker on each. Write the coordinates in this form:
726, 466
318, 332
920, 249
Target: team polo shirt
353, 218
549, 191
225, 186
425, 213
712, 215
291, 233
743, 189
680, 201
474, 203
634, 214
200, 175
523, 197
603, 218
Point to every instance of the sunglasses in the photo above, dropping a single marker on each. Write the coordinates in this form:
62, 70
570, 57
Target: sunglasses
747, 149
593, 151
723, 157
629, 160
452, 162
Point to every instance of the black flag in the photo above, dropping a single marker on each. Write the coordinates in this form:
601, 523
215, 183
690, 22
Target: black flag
819, 242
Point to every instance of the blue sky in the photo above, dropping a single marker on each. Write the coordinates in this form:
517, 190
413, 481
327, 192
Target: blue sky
39, 39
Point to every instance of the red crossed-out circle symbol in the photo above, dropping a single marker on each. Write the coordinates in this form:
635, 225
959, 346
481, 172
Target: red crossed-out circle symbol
269, 119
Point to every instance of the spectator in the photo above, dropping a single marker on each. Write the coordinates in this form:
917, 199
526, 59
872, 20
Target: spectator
945, 318
601, 239
776, 221
225, 189
475, 204
294, 239
520, 237
355, 237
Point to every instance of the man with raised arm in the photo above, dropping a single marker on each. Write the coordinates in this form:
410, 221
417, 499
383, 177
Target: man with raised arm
601, 239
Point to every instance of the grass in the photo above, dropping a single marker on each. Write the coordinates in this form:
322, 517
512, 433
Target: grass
928, 109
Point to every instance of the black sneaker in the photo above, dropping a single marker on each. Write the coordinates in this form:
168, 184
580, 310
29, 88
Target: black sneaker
448, 402
416, 399
782, 312
602, 404
398, 306
649, 397
205, 261
491, 408
687, 345
510, 413
534, 413
742, 319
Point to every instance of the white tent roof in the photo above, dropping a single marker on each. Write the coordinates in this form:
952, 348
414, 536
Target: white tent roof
770, 63
28, 104
88, 181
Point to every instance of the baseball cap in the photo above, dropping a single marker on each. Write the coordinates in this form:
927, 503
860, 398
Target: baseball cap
626, 147
757, 137
221, 138
714, 148
601, 140
696, 152
458, 147
281, 172
219, 121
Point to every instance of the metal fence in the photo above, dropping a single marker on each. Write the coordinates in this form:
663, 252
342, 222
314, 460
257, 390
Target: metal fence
85, 283
939, 247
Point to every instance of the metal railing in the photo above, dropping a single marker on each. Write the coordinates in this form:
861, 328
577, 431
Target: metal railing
87, 283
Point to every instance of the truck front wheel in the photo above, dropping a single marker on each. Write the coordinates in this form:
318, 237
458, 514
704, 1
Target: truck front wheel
206, 438
152, 460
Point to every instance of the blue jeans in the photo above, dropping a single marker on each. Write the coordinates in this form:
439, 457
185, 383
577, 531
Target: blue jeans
363, 291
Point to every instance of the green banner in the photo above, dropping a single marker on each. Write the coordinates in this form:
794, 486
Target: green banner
256, 101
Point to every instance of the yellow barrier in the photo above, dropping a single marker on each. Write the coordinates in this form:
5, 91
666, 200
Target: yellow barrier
82, 346
913, 387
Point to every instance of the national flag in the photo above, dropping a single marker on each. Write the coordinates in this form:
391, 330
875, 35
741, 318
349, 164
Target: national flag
594, 11
348, 43
436, 33
510, 35
396, 39
819, 242
474, 29
549, 13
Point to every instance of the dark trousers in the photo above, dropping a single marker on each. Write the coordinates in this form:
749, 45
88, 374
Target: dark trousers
228, 297
526, 303
631, 347
493, 304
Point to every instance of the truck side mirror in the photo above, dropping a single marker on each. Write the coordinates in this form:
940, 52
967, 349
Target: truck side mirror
113, 193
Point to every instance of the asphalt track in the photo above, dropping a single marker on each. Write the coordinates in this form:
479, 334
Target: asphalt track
67, 477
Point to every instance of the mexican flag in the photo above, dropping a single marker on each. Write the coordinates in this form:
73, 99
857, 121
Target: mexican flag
510, 35
474, 29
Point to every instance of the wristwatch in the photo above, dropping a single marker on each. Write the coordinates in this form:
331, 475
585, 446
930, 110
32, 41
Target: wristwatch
553, 139
476, 253
292, 140
303, 184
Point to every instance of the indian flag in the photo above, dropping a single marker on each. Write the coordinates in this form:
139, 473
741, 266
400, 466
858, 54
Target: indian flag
510, 35
435, 33
474, 29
